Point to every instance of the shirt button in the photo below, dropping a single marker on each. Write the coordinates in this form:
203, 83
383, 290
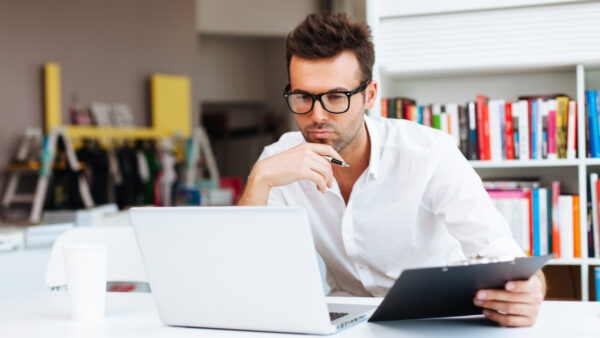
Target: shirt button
360, 266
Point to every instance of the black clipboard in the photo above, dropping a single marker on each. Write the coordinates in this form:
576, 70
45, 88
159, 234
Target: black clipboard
449, 291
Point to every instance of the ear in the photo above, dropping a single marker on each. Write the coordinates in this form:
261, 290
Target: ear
371, 94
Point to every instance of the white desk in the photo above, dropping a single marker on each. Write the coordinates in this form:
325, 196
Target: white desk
134, 315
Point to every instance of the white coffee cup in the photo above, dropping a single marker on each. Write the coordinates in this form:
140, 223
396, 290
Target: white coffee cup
85, 267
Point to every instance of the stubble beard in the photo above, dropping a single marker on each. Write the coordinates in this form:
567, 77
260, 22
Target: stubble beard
337, 143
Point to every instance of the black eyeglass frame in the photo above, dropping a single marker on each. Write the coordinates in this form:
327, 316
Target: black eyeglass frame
348, 93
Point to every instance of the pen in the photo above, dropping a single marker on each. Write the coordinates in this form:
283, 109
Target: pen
336, 161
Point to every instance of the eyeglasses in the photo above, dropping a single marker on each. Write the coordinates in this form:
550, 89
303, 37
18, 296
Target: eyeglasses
335, 102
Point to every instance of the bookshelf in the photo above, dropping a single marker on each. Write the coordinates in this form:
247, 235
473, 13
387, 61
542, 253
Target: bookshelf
451, 54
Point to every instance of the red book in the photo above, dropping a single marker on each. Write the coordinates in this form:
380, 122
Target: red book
555, 187
508, 127
483, 140
530, 198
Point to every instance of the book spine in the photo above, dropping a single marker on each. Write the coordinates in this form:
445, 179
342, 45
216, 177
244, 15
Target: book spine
384, 108
556, 249
535, 232
565, 203
473, 146
552, 129
502, 130
594, 227
523, 130
509, 132
463, 127
597, 278
420, 114
576, 228
392, 104
453, 122
549, 224
530, 225
516, 120
543, 226
480, 103
571, 130
562, 103
534, 130
436, 113
544, 128
592, 114
495, 132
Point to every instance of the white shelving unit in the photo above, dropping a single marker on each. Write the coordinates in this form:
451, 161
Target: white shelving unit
450, 54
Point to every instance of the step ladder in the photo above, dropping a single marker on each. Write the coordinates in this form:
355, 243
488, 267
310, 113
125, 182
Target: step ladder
43, 169
200, 149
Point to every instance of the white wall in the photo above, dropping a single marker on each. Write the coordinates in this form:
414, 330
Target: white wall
389, 8
253, 18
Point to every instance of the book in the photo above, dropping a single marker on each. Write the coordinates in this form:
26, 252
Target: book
555, 189
463, 124
565, 205
543, 107
509, 132
517, 136
576, 228
523, 130
384, 108
592, 117
562, 103
483, 127
543, 218
552, 130
572, 130
436, 111
597, 282
514, 207
594, 225
535, 230
473, 145
534, 130
495, 130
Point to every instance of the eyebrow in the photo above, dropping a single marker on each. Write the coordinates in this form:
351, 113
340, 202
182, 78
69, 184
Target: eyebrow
336, 89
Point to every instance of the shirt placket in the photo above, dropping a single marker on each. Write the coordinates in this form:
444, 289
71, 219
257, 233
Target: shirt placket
348, 236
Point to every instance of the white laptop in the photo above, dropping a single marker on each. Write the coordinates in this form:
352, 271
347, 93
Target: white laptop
242, 268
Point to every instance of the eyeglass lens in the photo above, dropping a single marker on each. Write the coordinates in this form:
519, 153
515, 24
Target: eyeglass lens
333, 102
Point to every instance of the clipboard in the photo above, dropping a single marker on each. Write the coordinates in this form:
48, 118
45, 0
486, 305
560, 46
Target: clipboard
449, 291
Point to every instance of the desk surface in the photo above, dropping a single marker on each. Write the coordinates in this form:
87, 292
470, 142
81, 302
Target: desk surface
134, 315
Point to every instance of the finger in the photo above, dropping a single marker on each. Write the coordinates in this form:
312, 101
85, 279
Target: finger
509, 320
317, 178
522, 309
529, 285
508, 296
323, 168
325, 150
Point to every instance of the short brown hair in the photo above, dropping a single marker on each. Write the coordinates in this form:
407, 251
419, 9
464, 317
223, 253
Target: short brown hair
325, 35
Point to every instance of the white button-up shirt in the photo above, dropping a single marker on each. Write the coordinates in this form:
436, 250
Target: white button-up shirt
419, 203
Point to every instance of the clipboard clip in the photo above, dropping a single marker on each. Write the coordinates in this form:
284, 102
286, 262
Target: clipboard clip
483, 259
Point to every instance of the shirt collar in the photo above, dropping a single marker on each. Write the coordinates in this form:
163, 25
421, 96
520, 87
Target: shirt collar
375, 146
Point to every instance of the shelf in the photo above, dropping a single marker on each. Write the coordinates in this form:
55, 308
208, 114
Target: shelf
525, 164
575, 261
99, 132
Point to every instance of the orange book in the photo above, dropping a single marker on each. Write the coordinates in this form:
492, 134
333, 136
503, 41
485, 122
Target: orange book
384, 107
555, 188
576, 228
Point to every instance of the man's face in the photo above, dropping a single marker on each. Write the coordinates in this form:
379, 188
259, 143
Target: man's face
339, 73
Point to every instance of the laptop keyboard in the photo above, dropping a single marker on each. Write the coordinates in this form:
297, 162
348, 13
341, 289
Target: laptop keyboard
335, 315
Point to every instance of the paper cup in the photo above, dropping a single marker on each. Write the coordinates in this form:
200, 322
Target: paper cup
85, 267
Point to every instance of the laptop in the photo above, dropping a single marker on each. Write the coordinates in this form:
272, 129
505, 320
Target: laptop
240, 268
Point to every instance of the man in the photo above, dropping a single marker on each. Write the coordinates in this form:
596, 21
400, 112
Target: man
408, 199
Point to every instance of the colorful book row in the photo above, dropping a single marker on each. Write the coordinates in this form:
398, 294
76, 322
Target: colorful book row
542, 220
534, 127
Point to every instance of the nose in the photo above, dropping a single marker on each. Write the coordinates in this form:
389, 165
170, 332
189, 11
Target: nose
319, 114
